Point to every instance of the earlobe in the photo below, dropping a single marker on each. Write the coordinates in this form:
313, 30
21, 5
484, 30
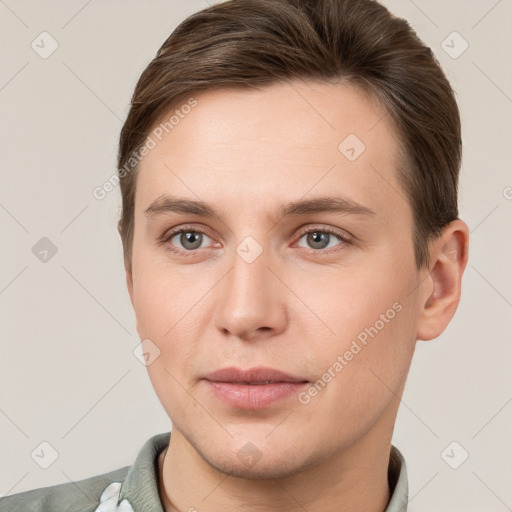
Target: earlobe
127, 267
449, 254
129, 285
129, 282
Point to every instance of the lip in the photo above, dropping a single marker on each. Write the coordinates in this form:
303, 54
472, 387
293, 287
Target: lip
254, 388
257, 375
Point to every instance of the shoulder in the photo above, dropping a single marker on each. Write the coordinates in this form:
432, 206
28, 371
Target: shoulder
80, 496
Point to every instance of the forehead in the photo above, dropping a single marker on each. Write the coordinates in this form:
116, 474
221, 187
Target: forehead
285, 141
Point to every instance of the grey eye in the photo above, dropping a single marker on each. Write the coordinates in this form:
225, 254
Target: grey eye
190, 240
318, 239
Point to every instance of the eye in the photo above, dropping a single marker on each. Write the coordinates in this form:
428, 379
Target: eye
321, 238
190, 240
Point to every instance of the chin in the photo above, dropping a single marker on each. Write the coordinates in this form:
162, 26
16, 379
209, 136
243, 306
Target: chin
252, 463
276, 467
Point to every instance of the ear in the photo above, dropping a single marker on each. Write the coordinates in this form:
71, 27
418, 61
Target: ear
441, 289
127, 269
129, 282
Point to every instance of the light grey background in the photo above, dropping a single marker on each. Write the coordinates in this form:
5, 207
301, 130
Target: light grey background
68, 375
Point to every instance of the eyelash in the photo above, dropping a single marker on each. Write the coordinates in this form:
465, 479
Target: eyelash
168, 236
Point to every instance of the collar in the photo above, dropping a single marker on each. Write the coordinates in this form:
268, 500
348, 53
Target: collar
140, 486
398, 484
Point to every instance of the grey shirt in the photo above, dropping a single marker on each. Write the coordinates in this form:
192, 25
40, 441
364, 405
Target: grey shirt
135, 488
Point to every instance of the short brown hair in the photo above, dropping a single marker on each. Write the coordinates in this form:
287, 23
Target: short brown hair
254, 43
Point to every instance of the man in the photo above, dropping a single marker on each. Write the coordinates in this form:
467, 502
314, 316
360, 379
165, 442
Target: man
289, 174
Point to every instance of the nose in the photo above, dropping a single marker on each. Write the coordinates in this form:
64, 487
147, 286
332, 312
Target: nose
251, 301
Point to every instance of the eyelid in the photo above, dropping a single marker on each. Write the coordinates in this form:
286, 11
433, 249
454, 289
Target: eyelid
169, 234
325, 228
344, 236
184, 227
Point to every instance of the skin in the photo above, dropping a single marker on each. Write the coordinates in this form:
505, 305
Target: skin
296, 308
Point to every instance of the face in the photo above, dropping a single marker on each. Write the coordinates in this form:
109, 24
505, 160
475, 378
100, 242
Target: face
259, 283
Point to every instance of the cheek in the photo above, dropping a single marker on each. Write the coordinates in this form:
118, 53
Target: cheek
360, 377
167, 314
171, 390
365, 340
342, 305
160, 295
171, 311
152, 308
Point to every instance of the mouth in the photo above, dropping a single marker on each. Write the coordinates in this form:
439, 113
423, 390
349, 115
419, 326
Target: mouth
255, 388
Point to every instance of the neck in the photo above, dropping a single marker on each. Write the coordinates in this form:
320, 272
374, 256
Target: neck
356, 479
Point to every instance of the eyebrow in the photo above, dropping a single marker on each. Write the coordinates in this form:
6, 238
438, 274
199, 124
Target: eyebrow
327, 204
